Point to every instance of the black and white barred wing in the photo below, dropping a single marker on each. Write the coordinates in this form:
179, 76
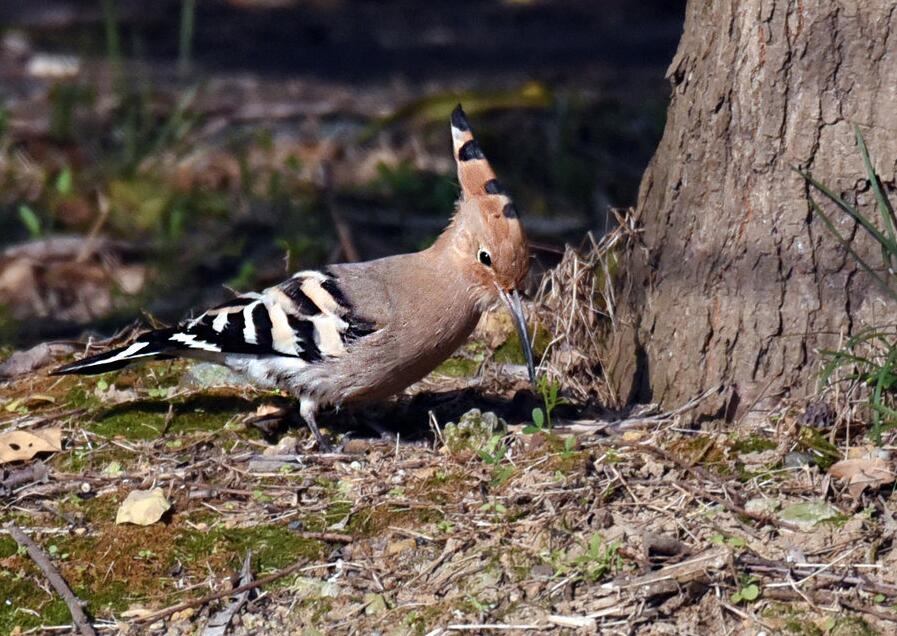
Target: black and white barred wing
306, 319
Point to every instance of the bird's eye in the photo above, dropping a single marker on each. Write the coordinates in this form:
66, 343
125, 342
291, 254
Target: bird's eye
484, 258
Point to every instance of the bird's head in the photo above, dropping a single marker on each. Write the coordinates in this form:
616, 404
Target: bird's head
486, 236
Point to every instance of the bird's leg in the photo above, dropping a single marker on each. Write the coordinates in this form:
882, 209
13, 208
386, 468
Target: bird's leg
307, 410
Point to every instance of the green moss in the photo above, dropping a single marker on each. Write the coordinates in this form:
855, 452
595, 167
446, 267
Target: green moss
852, 626
81, 459
18, 594
443, 486
109, 598
702, 450
371, 521
273, 547
458, 367
753, 444
8, 546
80, 397
824, 452
97, 510
511, 352
146, 420
19, 590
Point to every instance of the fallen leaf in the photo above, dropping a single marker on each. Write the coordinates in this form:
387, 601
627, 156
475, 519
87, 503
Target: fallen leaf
22, 445
143, 507
268, 410
808, 513
137, 612
863, 472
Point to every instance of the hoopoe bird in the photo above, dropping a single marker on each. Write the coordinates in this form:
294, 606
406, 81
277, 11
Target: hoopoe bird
359, 332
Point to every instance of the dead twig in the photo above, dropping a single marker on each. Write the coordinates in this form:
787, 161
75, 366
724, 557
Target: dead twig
32, 473
327, 537
736, 508
199, 602
829, 598
217, 625
43, 562
731, 502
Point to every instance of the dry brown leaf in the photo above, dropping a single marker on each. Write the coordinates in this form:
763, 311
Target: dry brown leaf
143, 507
267, 410
22, 445
863, 472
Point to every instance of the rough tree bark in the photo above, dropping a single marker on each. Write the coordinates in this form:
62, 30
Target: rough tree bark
735, 282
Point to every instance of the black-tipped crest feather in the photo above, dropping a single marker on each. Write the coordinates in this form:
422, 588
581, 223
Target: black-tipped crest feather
459, 119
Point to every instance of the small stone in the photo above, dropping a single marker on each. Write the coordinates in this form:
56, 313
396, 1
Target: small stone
286, 446
533, 589
652, 469
397, 547
183, 615
374, 604
797, 460
762, 505
541, 570
84, 487
818, 415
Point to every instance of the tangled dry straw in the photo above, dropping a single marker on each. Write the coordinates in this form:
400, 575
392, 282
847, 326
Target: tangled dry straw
575, 303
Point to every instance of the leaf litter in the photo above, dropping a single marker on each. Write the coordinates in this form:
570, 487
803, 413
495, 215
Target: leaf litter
632, 523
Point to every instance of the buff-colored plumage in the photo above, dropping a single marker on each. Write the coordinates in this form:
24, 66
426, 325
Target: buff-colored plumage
359, 332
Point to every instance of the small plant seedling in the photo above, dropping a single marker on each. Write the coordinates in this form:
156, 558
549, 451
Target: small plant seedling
501, 474
31, 221
538, 424
549, 390
748, 592
493, 450
64, 181
569, 445
599, 559
445, 527
494, 507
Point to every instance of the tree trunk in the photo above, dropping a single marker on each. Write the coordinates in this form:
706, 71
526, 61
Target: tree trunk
735, 282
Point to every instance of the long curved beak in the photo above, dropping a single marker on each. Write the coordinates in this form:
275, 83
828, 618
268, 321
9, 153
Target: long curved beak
512, 300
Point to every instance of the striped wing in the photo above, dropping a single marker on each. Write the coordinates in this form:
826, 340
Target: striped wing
305, 317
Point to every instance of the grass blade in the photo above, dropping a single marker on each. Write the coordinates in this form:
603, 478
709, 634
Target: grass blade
846, 244
884, 205
852, 212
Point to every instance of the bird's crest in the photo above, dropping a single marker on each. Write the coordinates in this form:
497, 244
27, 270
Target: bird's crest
474, 172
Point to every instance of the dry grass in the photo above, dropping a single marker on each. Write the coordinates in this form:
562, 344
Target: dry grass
575, 303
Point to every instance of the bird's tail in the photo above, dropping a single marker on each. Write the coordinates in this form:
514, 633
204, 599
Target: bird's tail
153, 345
